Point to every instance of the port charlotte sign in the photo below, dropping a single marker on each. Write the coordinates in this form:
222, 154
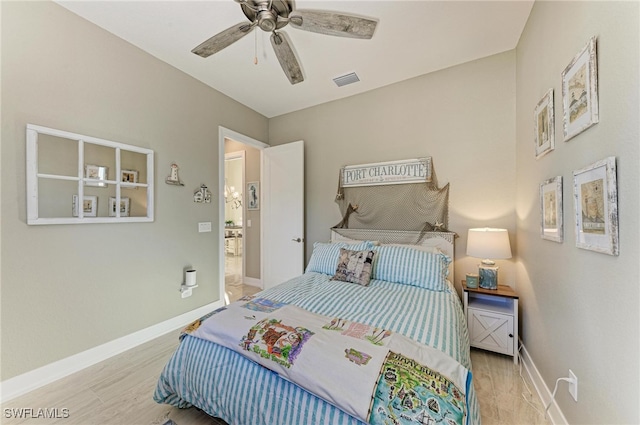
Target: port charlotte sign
391, 172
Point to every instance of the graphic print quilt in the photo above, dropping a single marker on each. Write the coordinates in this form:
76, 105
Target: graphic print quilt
373, 374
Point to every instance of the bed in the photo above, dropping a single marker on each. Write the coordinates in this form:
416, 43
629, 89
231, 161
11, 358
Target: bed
407, 296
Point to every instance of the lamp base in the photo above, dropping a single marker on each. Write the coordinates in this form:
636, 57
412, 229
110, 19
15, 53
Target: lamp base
488, 276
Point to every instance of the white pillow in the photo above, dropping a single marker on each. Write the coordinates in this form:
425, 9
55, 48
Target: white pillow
431, 249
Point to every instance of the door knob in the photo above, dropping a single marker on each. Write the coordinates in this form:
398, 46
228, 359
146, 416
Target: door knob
297, 240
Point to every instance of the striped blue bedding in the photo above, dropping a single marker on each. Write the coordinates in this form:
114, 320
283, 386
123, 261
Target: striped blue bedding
226, 385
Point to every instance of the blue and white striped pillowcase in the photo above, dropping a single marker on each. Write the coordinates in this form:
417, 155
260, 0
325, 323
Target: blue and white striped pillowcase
411, 266
324, 258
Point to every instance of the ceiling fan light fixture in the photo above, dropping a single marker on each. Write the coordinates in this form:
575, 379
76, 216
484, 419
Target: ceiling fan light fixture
272, 15
267, 20
346, 79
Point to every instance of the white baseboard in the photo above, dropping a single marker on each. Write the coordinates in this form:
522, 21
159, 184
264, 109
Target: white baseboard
252, 281
555, 414
22, 384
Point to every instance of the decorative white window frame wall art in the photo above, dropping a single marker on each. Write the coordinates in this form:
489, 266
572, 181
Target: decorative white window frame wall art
580, 91
544, 125
551, 210
83, 176
596, 205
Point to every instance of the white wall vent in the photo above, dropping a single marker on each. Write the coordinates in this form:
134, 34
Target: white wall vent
343, 80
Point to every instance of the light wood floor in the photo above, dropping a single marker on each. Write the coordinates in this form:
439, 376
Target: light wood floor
234, 287
119, 391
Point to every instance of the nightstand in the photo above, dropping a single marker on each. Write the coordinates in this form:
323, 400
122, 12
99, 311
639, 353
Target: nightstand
492, 317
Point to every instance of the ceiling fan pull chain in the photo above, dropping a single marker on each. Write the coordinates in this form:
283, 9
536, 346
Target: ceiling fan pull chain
255, 57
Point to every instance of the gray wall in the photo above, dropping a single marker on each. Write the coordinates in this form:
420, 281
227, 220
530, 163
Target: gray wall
463, 117
579, 307
68, 288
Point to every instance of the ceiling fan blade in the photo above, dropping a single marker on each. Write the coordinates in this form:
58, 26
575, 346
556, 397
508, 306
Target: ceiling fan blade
333, 23
286, 57
223, 39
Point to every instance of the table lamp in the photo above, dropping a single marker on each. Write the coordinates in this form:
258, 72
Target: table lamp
488, 244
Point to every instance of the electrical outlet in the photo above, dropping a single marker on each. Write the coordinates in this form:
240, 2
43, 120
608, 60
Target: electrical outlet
204, 227
573, 386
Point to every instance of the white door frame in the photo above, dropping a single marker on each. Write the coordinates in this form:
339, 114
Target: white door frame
225, 133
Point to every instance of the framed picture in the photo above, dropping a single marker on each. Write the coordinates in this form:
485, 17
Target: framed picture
253, 195
580, 91
95, 172
551, 210
544, 125
124, 207
129, 176
89, 206
596, 204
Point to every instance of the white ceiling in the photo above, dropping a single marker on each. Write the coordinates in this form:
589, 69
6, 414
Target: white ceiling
413, 37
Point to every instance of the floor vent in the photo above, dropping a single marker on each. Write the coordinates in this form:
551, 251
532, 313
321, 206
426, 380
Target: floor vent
343, 80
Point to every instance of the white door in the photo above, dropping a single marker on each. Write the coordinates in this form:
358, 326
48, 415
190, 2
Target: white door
282, 213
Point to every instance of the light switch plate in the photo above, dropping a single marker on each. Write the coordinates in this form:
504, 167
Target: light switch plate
204, 227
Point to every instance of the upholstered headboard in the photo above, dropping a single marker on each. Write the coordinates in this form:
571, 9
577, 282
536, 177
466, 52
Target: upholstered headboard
441, 240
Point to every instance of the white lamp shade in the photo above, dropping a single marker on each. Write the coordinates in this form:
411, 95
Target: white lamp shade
488, 243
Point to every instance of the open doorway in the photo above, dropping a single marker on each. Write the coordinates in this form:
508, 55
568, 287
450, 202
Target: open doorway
240, 230
273, 227
234, 232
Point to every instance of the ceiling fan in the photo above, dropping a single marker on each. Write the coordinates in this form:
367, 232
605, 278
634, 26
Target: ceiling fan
272, 15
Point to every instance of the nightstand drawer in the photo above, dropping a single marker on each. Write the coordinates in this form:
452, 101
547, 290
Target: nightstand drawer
491, 331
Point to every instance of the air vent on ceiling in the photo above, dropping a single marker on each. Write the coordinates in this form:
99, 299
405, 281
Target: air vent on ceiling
343, 80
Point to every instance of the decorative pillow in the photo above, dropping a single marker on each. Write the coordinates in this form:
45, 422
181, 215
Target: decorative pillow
410, 266
354, 266
325, 255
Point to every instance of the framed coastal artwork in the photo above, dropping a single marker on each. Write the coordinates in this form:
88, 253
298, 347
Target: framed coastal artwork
253, 195
544, 125
124, 207
596, 204
129, 176
580, 91
95, 175
551, 210
89, 206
